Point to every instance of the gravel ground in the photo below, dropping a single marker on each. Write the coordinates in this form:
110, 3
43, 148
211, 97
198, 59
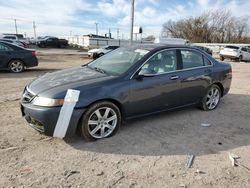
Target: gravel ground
147, 152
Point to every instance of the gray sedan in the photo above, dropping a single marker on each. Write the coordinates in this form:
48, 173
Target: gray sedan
127, 83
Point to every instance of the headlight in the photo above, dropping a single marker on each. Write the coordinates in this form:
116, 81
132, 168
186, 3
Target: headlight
43, 101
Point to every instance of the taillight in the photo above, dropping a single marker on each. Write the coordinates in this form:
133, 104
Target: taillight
33, 53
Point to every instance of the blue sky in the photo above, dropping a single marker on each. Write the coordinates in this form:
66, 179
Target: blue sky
62, 17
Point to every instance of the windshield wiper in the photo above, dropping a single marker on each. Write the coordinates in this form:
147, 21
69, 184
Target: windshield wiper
99, 70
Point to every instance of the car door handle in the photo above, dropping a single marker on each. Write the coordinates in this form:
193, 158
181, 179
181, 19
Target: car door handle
174, 77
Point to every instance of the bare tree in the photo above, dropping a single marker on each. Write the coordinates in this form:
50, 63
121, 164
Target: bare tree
218, 27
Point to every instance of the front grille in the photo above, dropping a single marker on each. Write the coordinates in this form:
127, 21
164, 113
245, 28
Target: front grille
28, 96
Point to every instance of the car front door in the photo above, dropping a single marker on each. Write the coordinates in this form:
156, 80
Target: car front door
4, 56
195, 76
156, 85
245, 53
51, 42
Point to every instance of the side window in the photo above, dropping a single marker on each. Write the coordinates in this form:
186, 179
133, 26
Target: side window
161, 62
191, 59
207, 62
244, 49
3, 48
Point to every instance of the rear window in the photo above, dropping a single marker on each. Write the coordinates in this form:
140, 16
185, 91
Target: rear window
191, 59
232, 47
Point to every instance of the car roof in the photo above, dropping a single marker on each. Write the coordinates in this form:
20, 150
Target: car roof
11, 45
161, 46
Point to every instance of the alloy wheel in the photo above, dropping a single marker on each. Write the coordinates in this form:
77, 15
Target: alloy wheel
16, 66
102, 122
213, 98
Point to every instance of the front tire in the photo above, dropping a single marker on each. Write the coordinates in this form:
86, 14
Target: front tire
101, 120
101, 54
222, 58
240, 58
16, 66
212, 98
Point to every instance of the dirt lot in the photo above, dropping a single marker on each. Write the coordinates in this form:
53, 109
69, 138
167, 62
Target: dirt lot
147, 152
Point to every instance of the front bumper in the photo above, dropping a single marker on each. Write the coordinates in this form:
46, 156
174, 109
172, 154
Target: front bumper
44, 119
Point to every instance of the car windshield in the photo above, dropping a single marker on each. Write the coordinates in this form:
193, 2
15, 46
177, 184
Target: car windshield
232, 47
118, 61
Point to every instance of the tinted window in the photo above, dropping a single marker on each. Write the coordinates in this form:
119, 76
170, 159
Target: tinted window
207, 62
232, 47
191, 59
161, 62
244, 49
9, 37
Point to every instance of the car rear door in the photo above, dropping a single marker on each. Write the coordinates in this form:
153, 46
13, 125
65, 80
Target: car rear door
5, 54
156, 85
196, 75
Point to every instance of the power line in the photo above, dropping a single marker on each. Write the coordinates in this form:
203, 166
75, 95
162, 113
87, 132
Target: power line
132, 21
15, 25
34, 27
96, 28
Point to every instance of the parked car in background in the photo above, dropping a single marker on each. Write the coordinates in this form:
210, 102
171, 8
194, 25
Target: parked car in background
15, 58
126, 83
10, 37
98, 52
20, 37
238, 53
52, 42
18, 43
208, 50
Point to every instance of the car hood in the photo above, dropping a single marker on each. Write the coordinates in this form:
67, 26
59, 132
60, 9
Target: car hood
69, 77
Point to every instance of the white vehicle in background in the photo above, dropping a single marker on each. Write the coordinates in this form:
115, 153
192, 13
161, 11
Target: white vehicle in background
98, 52
10, 37
238, 53
175, 41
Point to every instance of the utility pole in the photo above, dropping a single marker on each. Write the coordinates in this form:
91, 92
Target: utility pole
34, 28
118, 33
132, 21
96, 28
109, 33
15, 25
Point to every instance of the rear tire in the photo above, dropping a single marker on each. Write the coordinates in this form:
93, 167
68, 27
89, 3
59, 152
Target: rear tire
101, 120
222, 58
212, 98
16, 66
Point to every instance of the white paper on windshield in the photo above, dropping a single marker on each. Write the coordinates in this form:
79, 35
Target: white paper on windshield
62, 124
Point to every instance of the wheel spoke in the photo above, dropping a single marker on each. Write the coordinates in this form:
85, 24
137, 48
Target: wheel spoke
209, 97
211, 105
92, 122
216, 92
208, 102
102, 131
97, 112
106, 113
95, 130
111, 118
109, 126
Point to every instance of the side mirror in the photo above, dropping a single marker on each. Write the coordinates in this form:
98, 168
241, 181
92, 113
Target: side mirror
144, 73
